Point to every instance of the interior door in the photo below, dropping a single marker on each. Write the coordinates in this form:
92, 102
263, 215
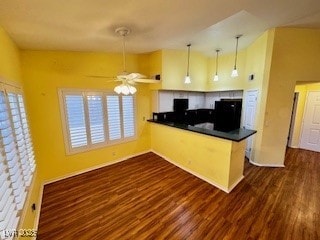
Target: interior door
310, 137
249, 117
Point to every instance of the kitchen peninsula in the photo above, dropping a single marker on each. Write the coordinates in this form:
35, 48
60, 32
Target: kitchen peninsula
214, 156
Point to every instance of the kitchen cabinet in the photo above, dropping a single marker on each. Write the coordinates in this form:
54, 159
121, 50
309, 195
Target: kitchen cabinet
196, 100
164, 99
211, 98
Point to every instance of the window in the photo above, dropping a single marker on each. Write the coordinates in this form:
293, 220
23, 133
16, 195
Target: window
96, 119
16, 159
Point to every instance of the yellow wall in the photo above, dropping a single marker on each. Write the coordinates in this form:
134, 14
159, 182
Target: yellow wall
44, 73
174, 70
9, 59
225, 66
155, 67
302, 89
258, 62
214, 159
295, 57
10, 72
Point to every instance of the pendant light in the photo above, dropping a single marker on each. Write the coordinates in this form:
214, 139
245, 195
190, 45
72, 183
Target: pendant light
234, 72
187, 79
216, 77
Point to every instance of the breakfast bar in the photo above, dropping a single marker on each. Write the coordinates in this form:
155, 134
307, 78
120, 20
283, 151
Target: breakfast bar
214, 156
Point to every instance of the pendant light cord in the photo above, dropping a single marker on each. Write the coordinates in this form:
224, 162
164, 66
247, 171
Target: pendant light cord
188, 58
235, 60
217, 61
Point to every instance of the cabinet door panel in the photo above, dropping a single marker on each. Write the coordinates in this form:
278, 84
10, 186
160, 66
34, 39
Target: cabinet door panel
165, 101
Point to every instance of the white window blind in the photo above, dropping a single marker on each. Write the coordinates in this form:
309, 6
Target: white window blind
93, 119
114, 121
8, 210
96, 121
128, 116
26, 133
11, 154
76, 120
19, 138
15, 168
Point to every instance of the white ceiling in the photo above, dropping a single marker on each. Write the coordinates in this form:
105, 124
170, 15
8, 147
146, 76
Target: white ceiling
82, 25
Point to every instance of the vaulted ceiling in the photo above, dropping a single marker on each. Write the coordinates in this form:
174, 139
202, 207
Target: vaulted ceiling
82, 25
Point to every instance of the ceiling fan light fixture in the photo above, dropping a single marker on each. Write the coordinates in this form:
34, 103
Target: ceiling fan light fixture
132, 89
118, 89
234, 72
125, 88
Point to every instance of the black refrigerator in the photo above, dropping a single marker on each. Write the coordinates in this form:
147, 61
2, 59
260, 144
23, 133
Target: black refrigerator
227, 115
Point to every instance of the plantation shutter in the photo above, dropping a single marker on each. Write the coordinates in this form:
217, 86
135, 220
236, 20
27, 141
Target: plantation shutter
96, 118
19, 137
114, 118
76, 120
8, 205
16, 160
128, 116
11, 156
8, 211
93, 119
26, 133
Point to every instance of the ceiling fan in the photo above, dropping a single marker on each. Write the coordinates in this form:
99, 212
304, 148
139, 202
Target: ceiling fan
127, 79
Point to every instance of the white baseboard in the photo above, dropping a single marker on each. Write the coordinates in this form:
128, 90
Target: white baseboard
93, 168
227, 190
266, 165
293, 146
235, 184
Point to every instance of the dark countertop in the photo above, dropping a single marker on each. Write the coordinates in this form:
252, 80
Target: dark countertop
235, 135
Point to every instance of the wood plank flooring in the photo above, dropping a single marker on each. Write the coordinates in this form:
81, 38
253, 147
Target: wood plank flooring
148, 198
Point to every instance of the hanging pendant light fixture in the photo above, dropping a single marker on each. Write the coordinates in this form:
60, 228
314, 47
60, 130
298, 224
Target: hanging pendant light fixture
216, 77
187, 79
234, 72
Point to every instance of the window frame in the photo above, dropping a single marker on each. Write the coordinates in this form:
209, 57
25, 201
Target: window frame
92, 146
25, 164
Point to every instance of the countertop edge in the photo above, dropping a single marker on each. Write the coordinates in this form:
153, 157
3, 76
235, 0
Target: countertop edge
232, 136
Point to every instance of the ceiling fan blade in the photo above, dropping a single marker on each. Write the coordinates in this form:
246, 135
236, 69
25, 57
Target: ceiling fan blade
131, 82
146, 80
100, 76
107, 79
135, 76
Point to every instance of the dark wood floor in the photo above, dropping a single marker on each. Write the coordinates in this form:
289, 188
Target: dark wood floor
148, 198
